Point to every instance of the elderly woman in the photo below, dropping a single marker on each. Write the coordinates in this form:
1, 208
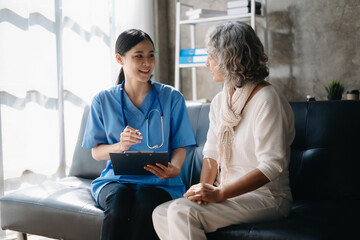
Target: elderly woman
244, 177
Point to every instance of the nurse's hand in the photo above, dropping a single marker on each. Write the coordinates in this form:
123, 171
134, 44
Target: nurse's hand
129, 137
162, 171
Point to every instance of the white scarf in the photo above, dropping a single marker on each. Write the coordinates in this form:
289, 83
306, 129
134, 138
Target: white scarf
232, 103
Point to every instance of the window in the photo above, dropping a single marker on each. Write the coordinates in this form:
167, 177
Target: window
55, 56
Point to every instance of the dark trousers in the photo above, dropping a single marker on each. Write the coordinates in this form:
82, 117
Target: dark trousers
128, 212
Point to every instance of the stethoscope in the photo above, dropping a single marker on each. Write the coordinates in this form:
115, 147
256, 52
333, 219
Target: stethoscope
150, 111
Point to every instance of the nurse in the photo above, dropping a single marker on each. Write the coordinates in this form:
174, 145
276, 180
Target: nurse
136, 115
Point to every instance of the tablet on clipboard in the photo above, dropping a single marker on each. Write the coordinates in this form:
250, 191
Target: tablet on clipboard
133, 163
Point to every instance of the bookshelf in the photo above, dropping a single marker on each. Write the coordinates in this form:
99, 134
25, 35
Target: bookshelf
191, 24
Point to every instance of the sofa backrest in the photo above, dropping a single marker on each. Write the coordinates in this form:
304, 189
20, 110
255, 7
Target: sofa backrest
83, 165
325, 154
199, 118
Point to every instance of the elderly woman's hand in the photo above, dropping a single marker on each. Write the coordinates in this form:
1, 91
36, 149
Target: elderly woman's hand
204, 193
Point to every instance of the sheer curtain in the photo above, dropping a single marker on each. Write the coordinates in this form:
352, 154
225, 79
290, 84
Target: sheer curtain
54, 57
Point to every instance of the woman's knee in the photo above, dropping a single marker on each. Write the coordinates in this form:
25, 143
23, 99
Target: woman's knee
160, 211
181, 208
118, 199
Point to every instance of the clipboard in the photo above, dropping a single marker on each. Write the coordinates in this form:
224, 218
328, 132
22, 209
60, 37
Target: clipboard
133, 163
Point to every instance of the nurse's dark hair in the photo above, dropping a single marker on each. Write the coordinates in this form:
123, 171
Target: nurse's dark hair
127, 40
239, 53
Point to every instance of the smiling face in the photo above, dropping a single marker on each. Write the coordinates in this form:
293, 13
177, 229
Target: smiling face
212, 63
139, 62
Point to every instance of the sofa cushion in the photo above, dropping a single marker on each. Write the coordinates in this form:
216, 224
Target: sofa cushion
308, 220
63, 210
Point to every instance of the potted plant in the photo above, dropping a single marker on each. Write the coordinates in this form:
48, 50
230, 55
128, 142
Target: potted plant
335, 89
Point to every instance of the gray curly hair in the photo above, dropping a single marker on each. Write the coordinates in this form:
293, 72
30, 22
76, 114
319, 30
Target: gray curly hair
239, 53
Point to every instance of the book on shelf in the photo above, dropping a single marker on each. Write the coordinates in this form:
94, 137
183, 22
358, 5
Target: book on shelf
242, 3
192, 59
193, 51
193, 55
204, 13
239, 10
240, 7
198, 16
238, 3
242, 10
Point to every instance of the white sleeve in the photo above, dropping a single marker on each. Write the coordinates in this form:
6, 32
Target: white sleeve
211, 145
273, 137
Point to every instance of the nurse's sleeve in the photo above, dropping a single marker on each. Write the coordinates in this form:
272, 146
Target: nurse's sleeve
94, 131
181, 134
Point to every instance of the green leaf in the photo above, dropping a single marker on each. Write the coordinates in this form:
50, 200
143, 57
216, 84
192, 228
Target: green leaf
335, 88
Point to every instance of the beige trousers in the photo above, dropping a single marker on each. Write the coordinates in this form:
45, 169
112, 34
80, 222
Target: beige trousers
183, 219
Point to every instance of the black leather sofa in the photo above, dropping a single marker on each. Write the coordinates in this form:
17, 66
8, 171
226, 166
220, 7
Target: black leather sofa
324, 178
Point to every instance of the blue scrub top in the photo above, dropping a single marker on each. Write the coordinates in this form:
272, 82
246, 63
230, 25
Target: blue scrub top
105, 124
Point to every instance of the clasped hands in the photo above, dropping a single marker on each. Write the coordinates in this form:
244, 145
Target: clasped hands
204, 193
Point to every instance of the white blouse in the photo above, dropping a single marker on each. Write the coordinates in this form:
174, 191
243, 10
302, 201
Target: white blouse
262, 140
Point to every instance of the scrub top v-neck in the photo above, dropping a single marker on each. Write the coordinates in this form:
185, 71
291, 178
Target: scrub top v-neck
105, 124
